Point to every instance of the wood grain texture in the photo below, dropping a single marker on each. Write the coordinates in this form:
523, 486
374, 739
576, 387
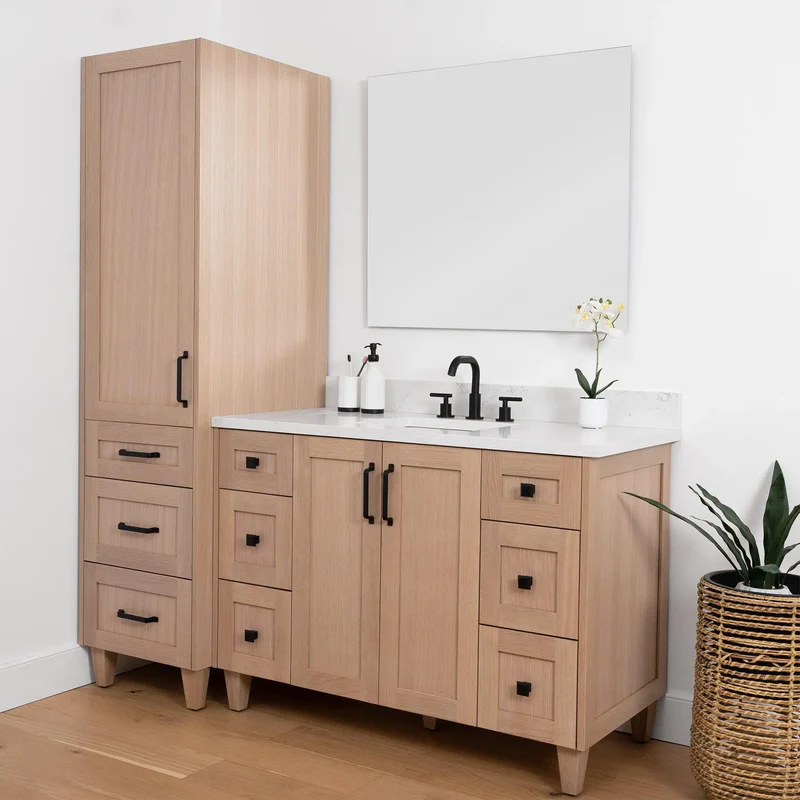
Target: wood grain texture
237, 687
642, 724
269, 561
557, 496
104, 440
273, 472
572, 769
551, 557
195, 686
138, 228
429, 582
104, 665
108, 589
268, 612
167, 551
624, 577
336, 583
548, 664
135, 740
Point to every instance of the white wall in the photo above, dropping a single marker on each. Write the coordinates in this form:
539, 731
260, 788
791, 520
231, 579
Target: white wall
715, 255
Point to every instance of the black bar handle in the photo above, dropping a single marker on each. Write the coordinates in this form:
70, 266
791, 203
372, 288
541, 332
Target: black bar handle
367, 516
524, 688
184, 355
138, 454
385, 500
251, 539
134, 618
525, 582
527, 489
250, 636
135, 528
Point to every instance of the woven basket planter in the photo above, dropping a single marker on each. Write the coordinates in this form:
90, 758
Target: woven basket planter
746, 712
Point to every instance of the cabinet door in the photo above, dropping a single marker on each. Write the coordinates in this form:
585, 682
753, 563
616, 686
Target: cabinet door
138, 234
429, 581
336, 566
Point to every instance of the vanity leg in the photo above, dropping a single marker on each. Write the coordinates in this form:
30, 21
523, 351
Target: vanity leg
429, 723
642, 724
238, 687
572, 769
104, 665
195, 686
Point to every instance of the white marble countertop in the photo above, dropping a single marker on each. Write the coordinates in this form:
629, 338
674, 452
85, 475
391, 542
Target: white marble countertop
550, 438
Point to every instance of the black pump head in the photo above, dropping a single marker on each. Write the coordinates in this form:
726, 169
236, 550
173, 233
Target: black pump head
373, 351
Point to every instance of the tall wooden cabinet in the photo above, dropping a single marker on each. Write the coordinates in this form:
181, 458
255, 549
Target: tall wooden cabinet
204, 238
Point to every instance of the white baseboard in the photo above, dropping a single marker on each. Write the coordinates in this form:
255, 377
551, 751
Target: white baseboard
673, 720
47, 674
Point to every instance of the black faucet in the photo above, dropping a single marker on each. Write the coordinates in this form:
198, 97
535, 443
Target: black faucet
475, 392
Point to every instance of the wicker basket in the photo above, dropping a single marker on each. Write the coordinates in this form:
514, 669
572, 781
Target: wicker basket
746, 712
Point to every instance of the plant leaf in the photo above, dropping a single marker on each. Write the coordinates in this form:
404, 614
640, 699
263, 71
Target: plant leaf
771, 568
600, 391
594, 384
731, 531
794, 566
731, 543
786, 528
662, 507
786, 550
733, 518
775, 512
583, 382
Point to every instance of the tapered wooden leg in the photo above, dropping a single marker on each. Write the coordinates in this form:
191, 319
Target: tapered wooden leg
238, 687
104, 665
429, 723
572, 769
642, 724
195, 686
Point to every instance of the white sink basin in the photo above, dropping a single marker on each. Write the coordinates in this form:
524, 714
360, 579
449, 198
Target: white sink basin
455, 424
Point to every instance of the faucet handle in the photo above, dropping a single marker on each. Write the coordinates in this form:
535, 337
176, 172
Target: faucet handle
505, 411
445, 409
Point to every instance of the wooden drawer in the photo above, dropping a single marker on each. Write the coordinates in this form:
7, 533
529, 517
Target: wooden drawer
255, 461
508, 661
138, 526
554, 500
163, 455
165, 602
255, 538
265, 617
529, 578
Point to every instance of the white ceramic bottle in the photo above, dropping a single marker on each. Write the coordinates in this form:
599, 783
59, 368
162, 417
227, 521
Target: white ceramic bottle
373, 384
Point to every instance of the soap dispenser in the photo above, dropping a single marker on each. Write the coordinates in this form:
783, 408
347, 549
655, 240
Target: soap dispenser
373, 384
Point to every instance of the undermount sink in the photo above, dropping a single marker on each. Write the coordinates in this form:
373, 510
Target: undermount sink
455, 424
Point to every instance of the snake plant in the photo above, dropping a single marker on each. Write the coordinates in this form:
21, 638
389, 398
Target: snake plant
736, 541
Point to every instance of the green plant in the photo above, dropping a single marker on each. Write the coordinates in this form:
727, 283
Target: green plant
598, 317
755, 571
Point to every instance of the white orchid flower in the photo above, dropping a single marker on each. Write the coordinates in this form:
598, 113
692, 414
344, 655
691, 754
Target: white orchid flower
598, 317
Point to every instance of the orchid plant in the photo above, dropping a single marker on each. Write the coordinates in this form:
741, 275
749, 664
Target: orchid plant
598, 317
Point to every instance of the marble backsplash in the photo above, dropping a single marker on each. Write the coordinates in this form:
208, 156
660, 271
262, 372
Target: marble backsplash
539, 403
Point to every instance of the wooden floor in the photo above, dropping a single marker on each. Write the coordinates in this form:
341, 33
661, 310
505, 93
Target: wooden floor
136, 741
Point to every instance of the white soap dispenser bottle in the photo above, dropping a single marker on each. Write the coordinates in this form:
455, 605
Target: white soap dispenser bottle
373, 384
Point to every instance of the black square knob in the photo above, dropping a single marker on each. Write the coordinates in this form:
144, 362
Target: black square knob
250, 636
527, 489
525, 582
524, 688
251, 462
251, 539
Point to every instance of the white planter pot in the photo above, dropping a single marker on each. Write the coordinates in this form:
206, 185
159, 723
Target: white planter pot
743, 587
592, 413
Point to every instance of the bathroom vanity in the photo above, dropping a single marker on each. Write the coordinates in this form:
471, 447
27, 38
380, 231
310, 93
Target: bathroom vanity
485, 573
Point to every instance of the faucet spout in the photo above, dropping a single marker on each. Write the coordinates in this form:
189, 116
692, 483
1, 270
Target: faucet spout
475, 392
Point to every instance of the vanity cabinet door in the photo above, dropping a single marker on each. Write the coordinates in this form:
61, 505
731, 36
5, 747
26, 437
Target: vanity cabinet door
336, 566
138, 234
429, 580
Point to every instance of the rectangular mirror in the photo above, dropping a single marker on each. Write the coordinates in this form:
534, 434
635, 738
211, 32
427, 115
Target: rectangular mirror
498, 194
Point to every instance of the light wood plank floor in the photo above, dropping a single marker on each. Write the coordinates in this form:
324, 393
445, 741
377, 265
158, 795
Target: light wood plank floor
136, 741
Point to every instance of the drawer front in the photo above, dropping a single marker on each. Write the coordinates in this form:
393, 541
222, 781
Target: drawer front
255, 538
255, 631
139, 526
146, 453
534, 490
529, 578
255, 461
528, 685
161, 608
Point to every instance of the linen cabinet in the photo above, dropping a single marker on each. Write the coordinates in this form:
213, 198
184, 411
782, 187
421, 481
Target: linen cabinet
519, 592
204, 240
